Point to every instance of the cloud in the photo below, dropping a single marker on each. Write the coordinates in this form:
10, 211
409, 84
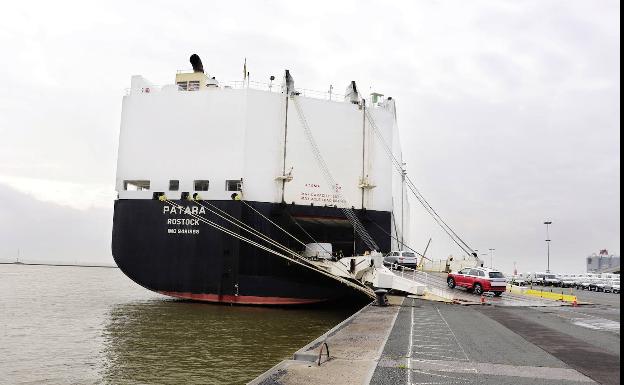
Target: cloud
44, 231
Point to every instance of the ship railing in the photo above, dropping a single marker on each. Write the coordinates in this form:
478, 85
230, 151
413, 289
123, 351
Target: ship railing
407, 272
240, 84
260, 86
146, 89
277, 88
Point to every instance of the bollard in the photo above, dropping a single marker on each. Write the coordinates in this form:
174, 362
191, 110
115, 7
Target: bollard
574, 303
381, 297
482, 300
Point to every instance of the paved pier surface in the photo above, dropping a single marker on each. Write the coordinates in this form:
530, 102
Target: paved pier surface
433, 343
423, 342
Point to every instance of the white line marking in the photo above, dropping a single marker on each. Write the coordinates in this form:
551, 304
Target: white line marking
596, 324
409, 352
461, 380
588, 321
443, 356
454, 336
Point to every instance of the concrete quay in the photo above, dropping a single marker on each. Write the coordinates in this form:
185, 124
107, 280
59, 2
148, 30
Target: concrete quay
354, 345
415, 341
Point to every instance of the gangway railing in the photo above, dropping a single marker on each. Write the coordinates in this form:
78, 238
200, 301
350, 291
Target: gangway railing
434, 286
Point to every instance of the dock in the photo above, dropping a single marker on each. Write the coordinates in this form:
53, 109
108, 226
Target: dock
354, 346
508, 340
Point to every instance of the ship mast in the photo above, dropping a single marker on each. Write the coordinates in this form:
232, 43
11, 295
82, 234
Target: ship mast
363, 149
284, 160
289, 85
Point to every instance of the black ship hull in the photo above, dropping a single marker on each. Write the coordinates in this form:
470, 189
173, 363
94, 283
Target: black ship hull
170, 252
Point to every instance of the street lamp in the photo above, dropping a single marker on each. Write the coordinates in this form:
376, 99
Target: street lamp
548, 223
403, 175
492, 258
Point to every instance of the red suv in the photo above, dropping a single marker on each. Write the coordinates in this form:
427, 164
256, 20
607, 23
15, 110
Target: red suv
478, 280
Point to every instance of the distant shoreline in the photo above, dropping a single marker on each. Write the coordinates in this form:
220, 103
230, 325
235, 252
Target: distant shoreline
56, 264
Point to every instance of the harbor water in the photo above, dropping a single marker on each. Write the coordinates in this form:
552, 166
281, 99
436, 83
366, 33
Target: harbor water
89, 325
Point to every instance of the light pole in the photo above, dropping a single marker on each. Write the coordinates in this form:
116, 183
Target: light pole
403, 174
492, 258
548, 223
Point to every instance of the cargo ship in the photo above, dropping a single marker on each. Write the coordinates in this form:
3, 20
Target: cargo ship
223, 186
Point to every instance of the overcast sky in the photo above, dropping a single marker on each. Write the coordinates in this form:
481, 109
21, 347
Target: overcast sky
509, 111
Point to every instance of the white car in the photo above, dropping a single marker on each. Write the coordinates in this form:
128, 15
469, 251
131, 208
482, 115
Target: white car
517, 280
401, 258
611, 286
567, 282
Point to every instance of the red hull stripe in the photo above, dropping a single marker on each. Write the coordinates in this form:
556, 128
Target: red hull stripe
242, 299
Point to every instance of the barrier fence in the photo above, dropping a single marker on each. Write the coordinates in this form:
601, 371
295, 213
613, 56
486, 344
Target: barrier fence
542, 294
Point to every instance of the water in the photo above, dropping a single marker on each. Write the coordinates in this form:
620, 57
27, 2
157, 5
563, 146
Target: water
73, 325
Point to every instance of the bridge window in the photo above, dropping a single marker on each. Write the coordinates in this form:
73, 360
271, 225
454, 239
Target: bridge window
136, 185
183, 85
201, 185
193, 85
233, 185
174, 185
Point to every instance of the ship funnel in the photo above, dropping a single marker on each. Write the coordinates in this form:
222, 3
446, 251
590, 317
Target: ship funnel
289, 83
197, 63
351, 94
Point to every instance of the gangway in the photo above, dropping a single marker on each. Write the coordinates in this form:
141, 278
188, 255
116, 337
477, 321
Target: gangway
370, 270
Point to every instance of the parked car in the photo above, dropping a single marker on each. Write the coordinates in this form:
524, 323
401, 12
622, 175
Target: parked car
608, 286
478, 280
567, 282
401, 258
585, 285
615, 287
544, 279
536, 278
551, 280
517, 280
598, 284
578, 279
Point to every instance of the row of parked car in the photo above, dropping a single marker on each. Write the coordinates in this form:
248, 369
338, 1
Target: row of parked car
586, 281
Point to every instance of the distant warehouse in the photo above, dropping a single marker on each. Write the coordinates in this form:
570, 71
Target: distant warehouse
603, 262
